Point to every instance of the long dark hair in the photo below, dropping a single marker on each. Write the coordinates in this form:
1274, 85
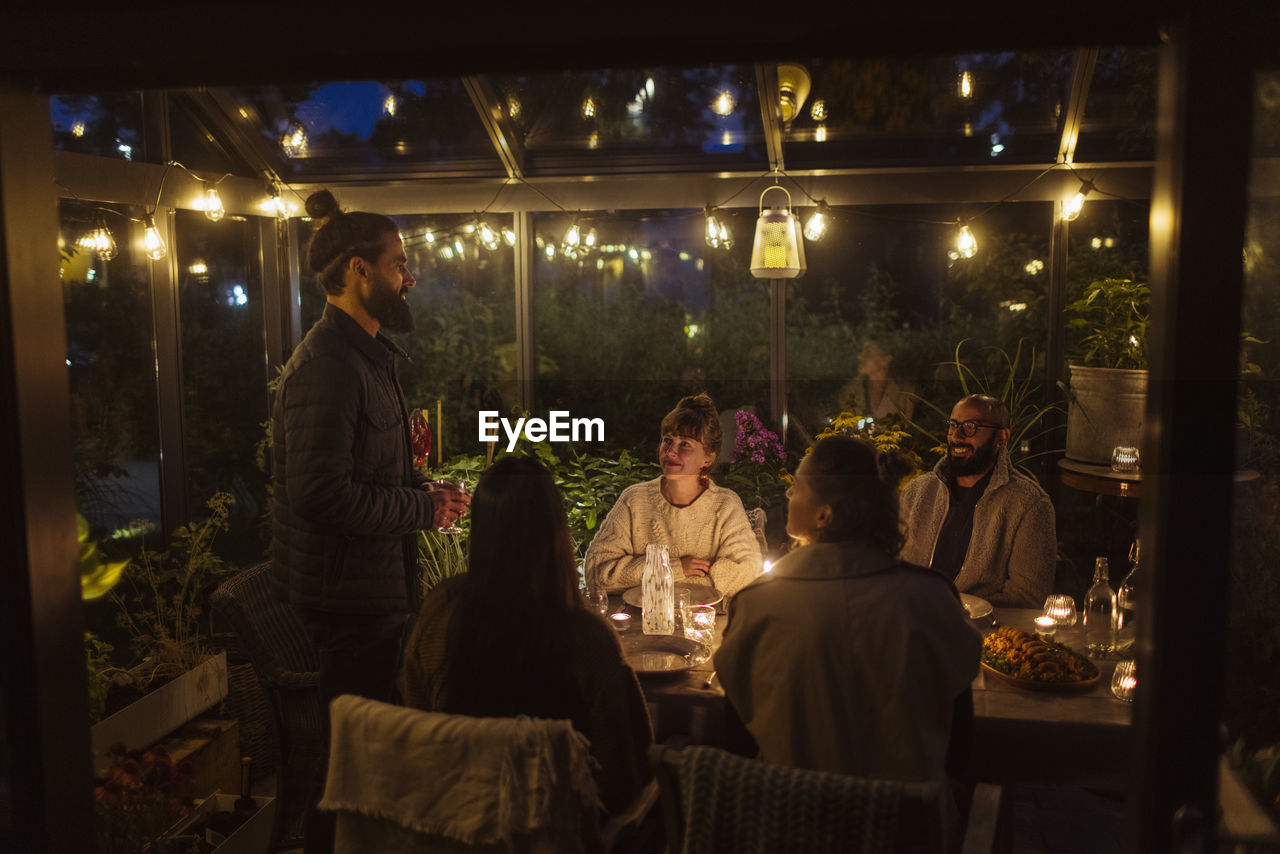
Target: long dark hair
341, 236
508, 637
860, 485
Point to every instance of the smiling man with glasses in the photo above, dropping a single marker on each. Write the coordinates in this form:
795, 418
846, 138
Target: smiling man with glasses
976, 519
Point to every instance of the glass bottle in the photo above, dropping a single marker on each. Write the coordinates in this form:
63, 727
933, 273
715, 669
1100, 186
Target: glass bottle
658, 593
1127, 602
1100, 613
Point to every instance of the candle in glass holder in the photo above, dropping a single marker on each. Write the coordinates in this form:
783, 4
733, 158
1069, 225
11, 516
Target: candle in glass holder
1124, 459
621, 620
1124, 680
1061, 608
1046, 627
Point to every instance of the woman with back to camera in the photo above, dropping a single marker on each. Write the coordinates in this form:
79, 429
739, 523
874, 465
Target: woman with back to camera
512, 636
845, 659
704, 526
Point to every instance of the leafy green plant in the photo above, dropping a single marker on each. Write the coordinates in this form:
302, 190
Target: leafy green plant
97, 575
161, 597
991, 370
885, 438
97, 657
1112, 314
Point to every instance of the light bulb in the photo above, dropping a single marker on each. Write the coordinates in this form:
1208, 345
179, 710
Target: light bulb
1071, 207
713, 230
213, 209
588, 108
429, 236
818, 110
457, 248
509, 236
966, 243
725, 240
589, 239
723, 104
294, 141
816, 227
100, 242
820, 133
573, 236
487, 236
966, 85
152, 242
513, 106
389, 105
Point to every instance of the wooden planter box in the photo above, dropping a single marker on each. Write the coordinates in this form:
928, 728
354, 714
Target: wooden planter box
252, 837
149, 719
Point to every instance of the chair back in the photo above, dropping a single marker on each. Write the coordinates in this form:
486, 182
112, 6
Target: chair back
287, 667
714, 801
270, 631
401, 779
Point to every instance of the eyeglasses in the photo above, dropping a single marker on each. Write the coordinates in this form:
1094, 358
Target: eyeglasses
968, 428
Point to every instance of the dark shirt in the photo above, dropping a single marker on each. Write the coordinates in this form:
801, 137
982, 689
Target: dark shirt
957, 528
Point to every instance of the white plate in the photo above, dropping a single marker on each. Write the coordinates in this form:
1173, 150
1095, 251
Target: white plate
657, 655
977, 607
699, 594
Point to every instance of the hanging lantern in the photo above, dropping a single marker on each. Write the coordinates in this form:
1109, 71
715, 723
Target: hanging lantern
778, 251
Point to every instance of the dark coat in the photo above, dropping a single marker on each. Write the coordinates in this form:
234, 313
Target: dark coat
346, 505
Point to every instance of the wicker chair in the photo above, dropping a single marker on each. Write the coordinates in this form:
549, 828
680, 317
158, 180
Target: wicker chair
274, 640
714, 801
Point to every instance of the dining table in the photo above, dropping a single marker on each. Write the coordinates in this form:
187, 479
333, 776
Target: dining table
1080, 737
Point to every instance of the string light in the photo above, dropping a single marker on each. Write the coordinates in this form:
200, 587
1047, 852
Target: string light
715, 230
429, 236
820, 133
966, 243
294, 140
487, 236
966, 84
573, 236
723, 104
213, 209
99, 241
818, 110
1071, 207
509, 236
152, 242
816, 227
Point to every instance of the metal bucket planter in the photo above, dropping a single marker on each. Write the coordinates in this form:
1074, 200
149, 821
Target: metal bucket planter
149, 719
1106, 408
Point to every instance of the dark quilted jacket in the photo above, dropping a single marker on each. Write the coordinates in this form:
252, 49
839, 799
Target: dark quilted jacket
346, 506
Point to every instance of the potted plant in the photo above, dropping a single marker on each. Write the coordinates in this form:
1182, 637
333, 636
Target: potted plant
1107, 389
160, 599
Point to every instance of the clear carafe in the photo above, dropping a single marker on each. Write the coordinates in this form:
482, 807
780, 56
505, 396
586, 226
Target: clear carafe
657, 590
1100, 613
1127, 603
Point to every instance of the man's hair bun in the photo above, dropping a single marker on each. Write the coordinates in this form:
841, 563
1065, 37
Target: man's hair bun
321, 205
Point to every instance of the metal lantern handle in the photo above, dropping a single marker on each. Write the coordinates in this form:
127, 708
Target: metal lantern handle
774, 187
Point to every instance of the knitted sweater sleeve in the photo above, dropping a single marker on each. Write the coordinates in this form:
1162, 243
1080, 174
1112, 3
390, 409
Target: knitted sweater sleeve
1033, 556
614, 558
737, 561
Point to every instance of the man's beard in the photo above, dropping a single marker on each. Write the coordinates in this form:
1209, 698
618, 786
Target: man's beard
978, 462
390, 310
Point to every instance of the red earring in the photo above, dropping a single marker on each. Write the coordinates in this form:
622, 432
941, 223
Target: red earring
702, 475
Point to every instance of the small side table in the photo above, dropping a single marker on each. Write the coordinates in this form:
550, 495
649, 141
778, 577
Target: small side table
1100, 479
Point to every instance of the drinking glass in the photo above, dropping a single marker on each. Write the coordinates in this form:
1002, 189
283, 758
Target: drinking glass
1062, 608
451, 528
700, 627
597, 599
682, 601
1124, 680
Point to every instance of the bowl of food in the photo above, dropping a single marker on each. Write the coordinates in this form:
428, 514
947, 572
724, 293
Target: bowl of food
1023, 660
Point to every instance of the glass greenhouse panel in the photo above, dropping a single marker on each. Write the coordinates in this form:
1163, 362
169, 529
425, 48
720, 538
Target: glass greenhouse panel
647, 314
1120, 111
463, 347
708, 117
219, 279
371, 126
108, 124
874, 326
110, 365
195, 146
927, 110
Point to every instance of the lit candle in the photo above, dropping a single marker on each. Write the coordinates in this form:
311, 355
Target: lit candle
1045, 627
621, 620
768, 566
1125, 459
1124, 680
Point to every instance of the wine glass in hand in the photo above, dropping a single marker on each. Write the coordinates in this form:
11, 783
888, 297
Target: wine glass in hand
445, 486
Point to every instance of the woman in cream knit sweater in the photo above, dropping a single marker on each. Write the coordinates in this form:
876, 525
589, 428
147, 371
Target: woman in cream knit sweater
703, 525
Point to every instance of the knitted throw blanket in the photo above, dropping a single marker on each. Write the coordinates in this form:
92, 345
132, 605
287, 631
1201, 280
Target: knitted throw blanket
746, 806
